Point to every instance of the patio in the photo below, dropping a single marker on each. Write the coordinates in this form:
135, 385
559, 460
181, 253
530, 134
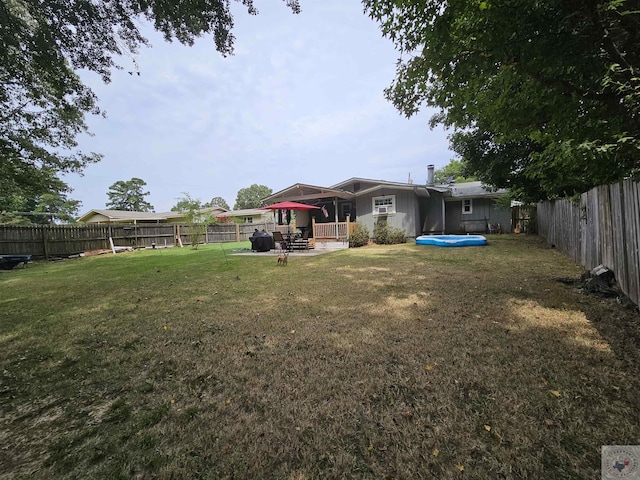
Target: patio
321, 247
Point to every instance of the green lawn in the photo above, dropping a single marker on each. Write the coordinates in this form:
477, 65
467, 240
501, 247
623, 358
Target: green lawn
396, 362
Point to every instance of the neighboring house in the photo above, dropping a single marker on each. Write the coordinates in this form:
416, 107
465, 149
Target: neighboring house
416, 209
249, 215
124, 216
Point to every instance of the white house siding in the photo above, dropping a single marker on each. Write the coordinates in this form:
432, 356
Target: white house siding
407, 216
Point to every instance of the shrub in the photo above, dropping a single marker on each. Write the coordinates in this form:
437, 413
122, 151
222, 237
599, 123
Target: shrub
383, 234
359, 237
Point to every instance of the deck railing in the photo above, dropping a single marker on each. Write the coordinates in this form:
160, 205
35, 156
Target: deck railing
324, 231
332, 230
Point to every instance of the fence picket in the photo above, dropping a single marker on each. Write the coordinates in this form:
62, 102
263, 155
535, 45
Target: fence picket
604, 228
44, 241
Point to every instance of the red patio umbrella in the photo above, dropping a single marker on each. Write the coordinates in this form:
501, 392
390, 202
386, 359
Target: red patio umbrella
288, 206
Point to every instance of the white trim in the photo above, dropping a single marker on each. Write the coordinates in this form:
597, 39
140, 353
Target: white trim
386, 206
470, 210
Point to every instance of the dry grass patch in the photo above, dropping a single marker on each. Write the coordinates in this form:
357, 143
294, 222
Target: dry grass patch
378, 362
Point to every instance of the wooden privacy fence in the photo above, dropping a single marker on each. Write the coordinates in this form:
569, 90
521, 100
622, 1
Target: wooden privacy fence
603, 227
45, 241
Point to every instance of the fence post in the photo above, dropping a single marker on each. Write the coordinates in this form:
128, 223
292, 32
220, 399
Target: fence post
44, 242
180, 236
237, 232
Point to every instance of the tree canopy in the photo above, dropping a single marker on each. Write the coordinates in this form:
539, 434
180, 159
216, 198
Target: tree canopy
218, 202
129, 196
43, 209
543, 97
453, 170
186, 203
43, 102
251, 197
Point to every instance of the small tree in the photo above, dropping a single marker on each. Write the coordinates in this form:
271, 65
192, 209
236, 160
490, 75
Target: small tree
128, 196
197, 219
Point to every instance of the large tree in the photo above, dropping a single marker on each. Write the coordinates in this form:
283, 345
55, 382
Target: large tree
251, 197
543, 96
129, 196
452, 172
218, 202
56, 208
45, 209
43, 102
185, 203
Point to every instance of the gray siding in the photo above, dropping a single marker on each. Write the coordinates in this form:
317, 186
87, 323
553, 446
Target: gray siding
502, 216
483, 212
432, 210
407, 216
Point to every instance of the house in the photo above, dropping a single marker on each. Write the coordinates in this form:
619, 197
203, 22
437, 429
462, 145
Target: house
248, 215
124, 216
416, 209
471, 208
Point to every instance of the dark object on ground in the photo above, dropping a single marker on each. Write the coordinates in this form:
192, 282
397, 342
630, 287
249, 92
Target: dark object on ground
7, 262
261, 241
600, 281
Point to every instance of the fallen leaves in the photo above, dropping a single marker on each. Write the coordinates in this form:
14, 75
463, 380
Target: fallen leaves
555, 393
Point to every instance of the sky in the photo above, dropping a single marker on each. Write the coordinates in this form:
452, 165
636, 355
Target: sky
301, 101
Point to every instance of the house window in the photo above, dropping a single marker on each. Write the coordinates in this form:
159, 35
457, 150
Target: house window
467, 206
384, 205
248, 219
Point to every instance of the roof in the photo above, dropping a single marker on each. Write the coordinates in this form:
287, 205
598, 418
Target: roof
301, 191
126, 215
372, 185
473, 190
349, 189
247, 212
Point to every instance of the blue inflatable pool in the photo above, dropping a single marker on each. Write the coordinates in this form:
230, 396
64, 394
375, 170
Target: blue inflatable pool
452, 240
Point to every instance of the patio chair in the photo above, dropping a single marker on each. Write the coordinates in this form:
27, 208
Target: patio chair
279, 243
